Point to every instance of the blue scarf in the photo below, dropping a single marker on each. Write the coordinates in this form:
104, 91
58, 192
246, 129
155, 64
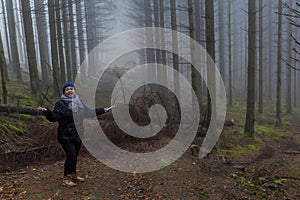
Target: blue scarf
74, 104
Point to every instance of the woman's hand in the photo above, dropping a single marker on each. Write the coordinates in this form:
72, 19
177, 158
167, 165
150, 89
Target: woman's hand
109, 108
42, 109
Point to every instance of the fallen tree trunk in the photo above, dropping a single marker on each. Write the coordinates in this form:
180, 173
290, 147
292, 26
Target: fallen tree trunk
19, 109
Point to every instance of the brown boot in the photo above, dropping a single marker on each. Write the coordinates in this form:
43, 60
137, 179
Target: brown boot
67, 181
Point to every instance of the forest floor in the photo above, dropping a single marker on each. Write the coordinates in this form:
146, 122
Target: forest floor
266, 166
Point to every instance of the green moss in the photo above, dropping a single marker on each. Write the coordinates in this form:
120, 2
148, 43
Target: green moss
252, 146
11, 129
235, 151
272, 132
26, 117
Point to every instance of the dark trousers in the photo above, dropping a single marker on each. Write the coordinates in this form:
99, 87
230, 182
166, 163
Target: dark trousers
71, 150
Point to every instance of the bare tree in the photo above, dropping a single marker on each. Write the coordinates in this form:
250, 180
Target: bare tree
270, 50
13, 39
6, 36
66, 38
174, 43
62, 67
198, 23
289, 62
221, 37
279, 57
210, 47
30, 46
80, 35
163, 40
42, 38
54, 57
261, 59
73, 62
195, 75
2, 71
150, 54
230, 53
249, 126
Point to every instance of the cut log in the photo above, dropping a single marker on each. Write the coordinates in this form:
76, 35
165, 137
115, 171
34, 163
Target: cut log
19, 109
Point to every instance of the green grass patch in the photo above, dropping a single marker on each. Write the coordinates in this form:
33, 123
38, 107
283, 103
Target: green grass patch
235, 151
11, 129
272, 132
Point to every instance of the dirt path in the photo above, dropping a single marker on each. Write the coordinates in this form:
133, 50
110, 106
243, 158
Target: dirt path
269, 168
269, 177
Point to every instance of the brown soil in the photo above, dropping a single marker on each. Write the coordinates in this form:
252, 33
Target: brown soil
272, 171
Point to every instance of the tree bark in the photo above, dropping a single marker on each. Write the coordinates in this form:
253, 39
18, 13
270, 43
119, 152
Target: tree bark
2, 71
42, 39
73, 62
62, 68
175, 45
19, 109
30, 46
55, 68
163, 41
210, 47
278, 122
249, 126
150, 54
270, 55
81, 44
230, 53
261, 59
221, 38
289, 70
66, 30
13, 39
7, 40
198, 24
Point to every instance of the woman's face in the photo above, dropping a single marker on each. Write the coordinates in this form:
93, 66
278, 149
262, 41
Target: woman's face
69, 92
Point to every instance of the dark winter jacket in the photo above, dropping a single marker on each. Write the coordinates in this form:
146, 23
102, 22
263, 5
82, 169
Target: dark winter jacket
67, 131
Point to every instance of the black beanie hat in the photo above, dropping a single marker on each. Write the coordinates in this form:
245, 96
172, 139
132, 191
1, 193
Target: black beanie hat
67, 84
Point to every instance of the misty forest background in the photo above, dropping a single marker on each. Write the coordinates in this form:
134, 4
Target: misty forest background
254, 43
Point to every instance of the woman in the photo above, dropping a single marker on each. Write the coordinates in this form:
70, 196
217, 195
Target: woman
68, 135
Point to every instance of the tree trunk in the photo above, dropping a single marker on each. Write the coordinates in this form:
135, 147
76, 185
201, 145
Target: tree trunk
30, 46
43, 39
62, 70
55, 68
210, 47
289, 62
7, 39
2, 71
157, 39
66, 30
73, 62
295, 75
230, 53
249, 126
198, 24
150, 54
270, 55
195, 74
175, 45
81, 43
221, 38
13, 39
261, 59
90, 31
279, 56
19, 109
163, 41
